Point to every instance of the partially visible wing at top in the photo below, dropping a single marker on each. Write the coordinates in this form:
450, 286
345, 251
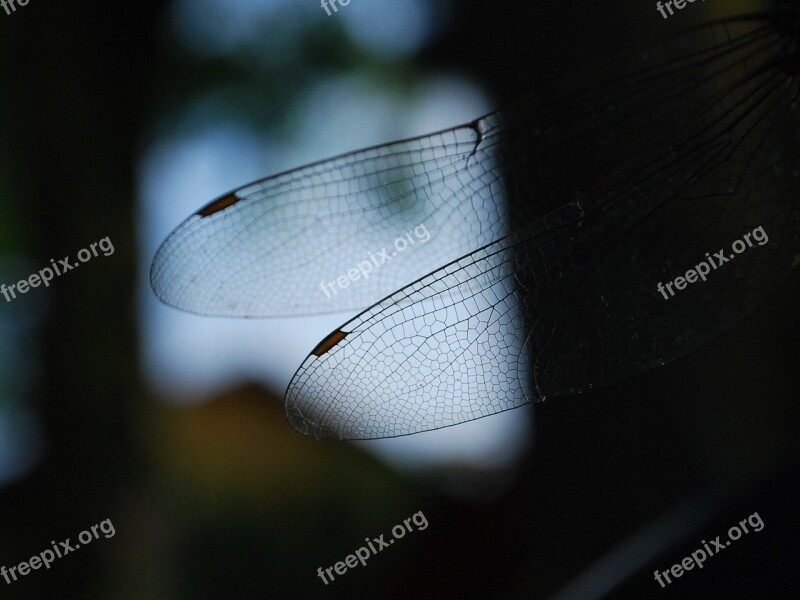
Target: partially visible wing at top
266, 249
570, 301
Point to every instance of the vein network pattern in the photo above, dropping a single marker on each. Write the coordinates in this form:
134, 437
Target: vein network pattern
550, 223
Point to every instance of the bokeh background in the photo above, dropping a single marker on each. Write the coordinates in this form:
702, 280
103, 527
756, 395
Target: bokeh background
120, 120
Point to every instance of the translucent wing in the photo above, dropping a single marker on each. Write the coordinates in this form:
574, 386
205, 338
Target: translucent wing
571, 301
267, 248
270, 247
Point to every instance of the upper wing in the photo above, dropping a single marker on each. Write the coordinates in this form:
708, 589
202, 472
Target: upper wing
274, 247
267, 248
571, 301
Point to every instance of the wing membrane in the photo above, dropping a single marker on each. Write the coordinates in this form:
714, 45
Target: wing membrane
267, 248
570, 301
684, 147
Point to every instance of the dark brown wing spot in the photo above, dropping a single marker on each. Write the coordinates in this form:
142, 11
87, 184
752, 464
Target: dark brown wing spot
329, 342
218, 205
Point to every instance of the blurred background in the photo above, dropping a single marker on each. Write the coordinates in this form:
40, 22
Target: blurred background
120, 121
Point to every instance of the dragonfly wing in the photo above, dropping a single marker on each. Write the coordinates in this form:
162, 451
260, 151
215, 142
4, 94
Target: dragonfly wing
570, 301
270, 248
267, 249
